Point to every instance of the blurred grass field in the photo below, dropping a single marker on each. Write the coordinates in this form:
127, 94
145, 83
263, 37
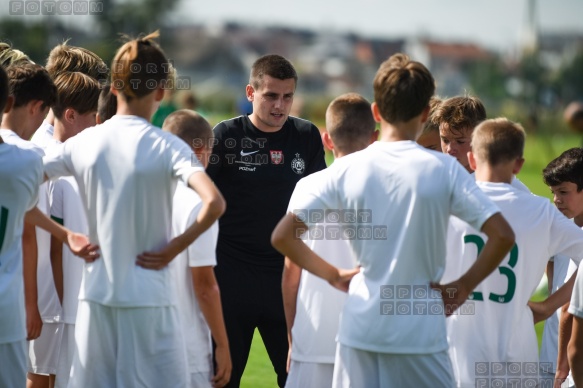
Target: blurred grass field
540, 150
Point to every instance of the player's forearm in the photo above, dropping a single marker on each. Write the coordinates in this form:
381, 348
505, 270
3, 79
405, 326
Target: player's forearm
560, 297
565, 326
289, 288
209, 300
285, 241
575, 351
550, 273
38, 218
57, 265
29, 265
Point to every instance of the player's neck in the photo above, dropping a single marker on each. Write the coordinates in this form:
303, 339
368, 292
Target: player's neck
497, 174
16, 121
401, 131
143, 107
60, 132
261, 125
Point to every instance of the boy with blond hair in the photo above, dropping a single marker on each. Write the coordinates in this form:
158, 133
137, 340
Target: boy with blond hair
412, 191
193, 270
500, 311
312, 307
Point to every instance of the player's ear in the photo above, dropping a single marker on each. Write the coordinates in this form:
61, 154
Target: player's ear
250, 92
69, 115
376, 114
472, 160
327, 140
518, 163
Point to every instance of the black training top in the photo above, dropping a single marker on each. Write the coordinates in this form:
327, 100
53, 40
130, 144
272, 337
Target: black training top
257, 172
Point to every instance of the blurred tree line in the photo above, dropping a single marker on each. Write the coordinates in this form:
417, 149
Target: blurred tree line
525, 90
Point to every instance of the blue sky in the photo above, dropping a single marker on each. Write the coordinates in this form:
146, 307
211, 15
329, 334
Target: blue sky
494, 23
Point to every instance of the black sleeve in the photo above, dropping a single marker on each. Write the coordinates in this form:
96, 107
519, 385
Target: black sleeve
216, 160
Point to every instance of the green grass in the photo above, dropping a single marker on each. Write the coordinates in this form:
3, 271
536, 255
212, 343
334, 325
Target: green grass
540, 150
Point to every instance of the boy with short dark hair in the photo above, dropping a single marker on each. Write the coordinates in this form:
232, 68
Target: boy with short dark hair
500, 311
412, 191
564, 176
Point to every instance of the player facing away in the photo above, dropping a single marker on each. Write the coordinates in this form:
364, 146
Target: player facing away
500, 312
313, 307
256, 163
74, 111
199, 298
398, 185
127, 171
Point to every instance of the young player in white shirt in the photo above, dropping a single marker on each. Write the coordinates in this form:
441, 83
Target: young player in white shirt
500, 311
74, 111
412, 191
312, 307
127, 170
21, 176
32, 92
564, 176
193, 269
575, 349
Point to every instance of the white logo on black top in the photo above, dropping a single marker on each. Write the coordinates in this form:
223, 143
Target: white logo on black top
248, 153
298, 165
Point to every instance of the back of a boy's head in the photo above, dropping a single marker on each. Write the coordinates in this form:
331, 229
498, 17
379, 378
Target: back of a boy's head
190, 127
498, 141
568, 167
274, 66
139, 67
349, 122
65, 58
3, 90
11, 56
107, 103
430, 125
402, 88
28, 82
77, 91
461, 113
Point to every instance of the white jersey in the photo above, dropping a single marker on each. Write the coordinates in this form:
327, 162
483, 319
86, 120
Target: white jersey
127, 171
576, 305
395, 199
498, 308
318, 305
21, 175
517, 183
563, 269
43, 136
48, 301
186, 206
67, 207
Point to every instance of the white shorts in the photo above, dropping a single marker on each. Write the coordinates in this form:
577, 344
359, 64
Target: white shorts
43, 352
13, 364
128, 347
360, 368
66, 353
201, 380
309, 374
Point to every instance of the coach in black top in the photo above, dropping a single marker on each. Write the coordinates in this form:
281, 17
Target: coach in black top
256, 162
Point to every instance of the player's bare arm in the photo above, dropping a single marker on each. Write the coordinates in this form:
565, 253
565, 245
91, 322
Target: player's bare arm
77, 243
285, 241
544, 309
290, 283
34, 322
213, 206
208, 296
